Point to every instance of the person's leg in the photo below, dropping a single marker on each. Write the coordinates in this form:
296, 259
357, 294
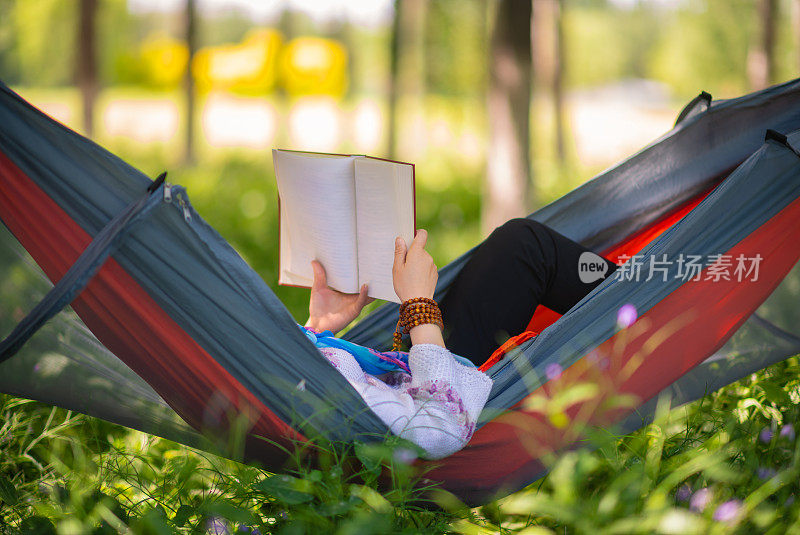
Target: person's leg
522, 264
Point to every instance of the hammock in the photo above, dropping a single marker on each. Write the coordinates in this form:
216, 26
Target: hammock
189, 338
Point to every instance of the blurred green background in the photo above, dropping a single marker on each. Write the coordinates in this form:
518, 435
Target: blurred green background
205, 88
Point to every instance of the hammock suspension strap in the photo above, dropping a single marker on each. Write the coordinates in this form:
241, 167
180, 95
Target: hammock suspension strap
81, 272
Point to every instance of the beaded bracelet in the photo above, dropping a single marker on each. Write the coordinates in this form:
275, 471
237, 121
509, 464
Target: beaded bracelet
414, 312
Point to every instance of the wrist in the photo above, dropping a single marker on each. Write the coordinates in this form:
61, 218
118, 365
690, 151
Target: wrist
427, 333
319, 325
412, 295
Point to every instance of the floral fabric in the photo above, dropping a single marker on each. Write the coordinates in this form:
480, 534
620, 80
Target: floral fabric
436, 405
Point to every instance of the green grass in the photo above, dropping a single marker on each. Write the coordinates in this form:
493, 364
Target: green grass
75, 474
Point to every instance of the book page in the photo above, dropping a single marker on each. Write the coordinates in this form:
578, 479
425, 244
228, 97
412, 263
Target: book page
384, 210
317, 219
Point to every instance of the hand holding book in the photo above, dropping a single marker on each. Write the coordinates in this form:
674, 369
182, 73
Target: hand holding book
414, 274
330, 310
344, 211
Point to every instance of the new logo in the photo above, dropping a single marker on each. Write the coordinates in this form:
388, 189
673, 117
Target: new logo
591, 267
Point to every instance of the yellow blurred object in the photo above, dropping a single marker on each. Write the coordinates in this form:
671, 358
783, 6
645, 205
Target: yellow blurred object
164, 60
248, 67
559, 419
314, 66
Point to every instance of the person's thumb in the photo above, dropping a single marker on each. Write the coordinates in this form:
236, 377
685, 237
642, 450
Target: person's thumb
320, 279
420, 239
399, 252
363, 297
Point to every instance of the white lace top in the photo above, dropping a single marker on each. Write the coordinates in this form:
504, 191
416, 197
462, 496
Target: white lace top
435, 407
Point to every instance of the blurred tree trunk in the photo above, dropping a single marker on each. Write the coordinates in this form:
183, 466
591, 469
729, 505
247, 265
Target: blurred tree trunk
558, 78
761, 58
548, 63
508, 178
407, 69
394, 73
288, 22
86, 62
796, 30
289, 25
346, 33
190, 25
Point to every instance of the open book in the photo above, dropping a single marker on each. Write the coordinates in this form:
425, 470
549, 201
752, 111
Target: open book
345, 211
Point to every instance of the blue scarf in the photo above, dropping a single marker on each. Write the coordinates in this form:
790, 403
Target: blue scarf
371, 361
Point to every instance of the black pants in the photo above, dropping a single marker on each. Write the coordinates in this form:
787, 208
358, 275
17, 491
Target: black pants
522, 264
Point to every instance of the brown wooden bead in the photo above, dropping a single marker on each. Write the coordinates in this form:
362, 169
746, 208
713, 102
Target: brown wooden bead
414, 312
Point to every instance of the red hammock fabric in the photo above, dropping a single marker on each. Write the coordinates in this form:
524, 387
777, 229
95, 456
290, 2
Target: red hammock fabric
699, 314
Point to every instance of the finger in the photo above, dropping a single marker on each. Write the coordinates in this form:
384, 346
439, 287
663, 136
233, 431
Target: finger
420, 239
363, 298
320, 279
399, 252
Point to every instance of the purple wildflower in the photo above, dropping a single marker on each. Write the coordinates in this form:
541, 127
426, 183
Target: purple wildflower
626, 315
216, 525
789, 500
683, 493
598, 359
553, 370
787, 431
766, 435
728, 511
700, 500
765, 473
404, 455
